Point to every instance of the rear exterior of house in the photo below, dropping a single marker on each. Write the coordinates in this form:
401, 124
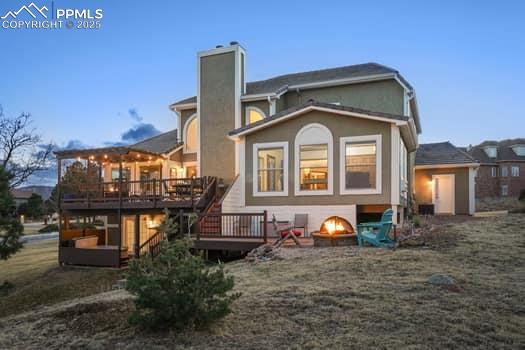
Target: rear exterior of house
444, 180
335, 142
502, 168
330, 142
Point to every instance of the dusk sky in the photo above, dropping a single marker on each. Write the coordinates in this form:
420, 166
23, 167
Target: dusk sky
466, 60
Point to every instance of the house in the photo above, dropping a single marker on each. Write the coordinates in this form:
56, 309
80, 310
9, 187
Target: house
20, 196
502, 168
336, 142
444, 180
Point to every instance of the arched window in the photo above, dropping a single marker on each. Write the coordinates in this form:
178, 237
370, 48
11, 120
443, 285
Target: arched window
314, 160
191, 135
254, 114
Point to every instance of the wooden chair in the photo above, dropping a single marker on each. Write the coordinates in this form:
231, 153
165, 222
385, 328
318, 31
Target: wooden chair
301, 221
376, 233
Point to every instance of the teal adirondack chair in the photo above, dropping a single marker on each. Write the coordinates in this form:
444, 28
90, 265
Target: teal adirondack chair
376, 233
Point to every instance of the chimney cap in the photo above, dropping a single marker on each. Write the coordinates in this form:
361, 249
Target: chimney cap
218, 46
234, 43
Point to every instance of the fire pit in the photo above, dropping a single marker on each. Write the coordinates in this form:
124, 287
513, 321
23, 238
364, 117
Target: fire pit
335, 231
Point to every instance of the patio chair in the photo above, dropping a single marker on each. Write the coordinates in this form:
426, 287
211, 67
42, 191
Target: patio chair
376, 233
300, 221
285, 232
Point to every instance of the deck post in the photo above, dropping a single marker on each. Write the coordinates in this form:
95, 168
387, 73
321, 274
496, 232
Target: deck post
119, 211
136, 243
265, 227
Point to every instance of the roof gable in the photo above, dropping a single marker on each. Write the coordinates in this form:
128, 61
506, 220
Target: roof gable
441, 153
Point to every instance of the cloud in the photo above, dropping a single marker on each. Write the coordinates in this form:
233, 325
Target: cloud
135, 115
139, 132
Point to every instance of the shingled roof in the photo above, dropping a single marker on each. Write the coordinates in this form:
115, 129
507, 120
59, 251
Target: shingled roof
161, 144
280, 82
441, 153
504, 151
313, 103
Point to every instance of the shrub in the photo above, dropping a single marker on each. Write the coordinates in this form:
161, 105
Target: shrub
177, 289
522, 195
416, 220
49, 228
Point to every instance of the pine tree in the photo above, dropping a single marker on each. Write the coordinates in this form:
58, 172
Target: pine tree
10, 228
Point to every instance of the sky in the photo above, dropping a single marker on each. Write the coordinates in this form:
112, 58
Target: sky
465, 59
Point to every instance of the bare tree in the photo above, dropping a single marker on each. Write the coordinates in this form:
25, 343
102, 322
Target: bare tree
22, 148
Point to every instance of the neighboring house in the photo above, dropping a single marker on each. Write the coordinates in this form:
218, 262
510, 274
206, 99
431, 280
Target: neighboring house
333, 142
502, 168
20, 196
444, 179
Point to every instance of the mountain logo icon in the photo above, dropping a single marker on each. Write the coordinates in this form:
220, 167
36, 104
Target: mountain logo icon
32, 6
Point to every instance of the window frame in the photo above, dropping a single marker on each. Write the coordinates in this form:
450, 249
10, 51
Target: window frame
330, 162
247, 114
184, 133
255, 169
506, 192
515, 173
342, 164
493, 171
504, 171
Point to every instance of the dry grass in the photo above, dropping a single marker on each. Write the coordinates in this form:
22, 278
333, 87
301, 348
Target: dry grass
38, 280
334, 298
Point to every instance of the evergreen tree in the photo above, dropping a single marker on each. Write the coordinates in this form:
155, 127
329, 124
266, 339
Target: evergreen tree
177, 289
35, 206
10, 228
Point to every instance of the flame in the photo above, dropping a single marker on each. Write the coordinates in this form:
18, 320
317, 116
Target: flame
332, 226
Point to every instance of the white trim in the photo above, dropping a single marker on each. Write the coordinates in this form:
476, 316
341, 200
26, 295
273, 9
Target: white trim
442, 166
272, 108
247, 113
184, 131
342, 164
394, 164
255, 166
218, 50
180, 107
199, 171
170, 153
471, 191
453, 192
317, 108
297, 143
242, 170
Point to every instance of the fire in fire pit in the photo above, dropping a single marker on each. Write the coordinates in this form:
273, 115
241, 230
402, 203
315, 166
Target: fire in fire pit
335, 231
336, 225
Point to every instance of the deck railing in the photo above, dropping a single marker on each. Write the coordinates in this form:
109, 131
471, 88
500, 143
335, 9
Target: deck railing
183, 189
233, 225
152, 245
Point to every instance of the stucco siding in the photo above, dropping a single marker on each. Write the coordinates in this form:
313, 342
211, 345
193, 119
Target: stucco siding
340, 126
217, 115
423, 187
380, 96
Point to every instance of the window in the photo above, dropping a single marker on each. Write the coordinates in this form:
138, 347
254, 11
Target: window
126, 174
253, 114
313, 167
504, 190
313, 161
492, 152
173, 173
515, 171
519, 150
494, 171
360, 165
191, 136
504, 171
270, 176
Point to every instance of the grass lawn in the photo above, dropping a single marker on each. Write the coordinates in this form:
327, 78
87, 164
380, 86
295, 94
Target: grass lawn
332, 298
38, 280
32, 228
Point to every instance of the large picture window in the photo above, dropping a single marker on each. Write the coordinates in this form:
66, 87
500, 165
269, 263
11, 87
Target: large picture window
270, 169
361, 165
313, 161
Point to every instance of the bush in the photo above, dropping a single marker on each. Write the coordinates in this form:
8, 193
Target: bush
49, 228
522, 195
416, 220
177, 289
